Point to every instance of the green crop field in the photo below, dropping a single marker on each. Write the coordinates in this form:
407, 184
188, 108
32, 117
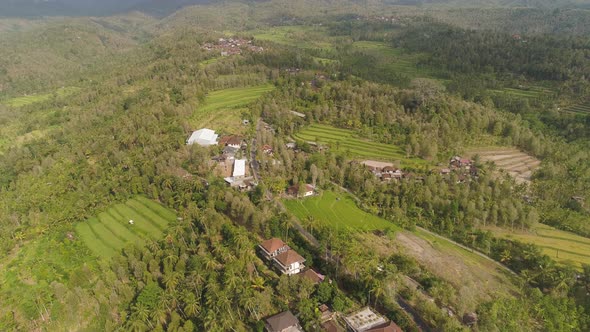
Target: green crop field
308, 37
347, 141
583, 108
564, 247
394, 58
338, 210
223, 109
27, 100
531, 92
109, 232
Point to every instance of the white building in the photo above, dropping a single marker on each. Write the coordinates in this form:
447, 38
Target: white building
239, 168
203, 137
364, 320
289, 262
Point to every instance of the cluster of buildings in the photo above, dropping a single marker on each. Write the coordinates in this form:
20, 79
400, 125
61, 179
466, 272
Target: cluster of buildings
384, 171
286, 260
389, 19
364, 320
232, 46
234, 170
463, 167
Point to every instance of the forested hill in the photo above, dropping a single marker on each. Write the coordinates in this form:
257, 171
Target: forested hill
497, 3
109, 221
33, 8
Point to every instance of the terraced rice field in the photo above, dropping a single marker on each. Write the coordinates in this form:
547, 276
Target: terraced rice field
583, 108
347, 141
514, 162
110, 231
307, 37
529, 93
337, 210
394, 58
27, 100
223, 108
564, 247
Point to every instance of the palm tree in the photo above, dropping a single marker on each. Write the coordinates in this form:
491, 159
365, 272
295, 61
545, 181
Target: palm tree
143, 313
171, 280
159, 314
191, 305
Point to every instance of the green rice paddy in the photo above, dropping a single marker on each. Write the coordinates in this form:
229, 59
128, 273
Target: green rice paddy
564, 247
27, 100
582, 108
110, 231
338, 211
233, 98
348, 142
307, 37
223, 109
394, 58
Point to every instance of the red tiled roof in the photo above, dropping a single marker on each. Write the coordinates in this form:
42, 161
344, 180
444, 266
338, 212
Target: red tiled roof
312, 275
231, 139
388, 327
289, 257
272, 245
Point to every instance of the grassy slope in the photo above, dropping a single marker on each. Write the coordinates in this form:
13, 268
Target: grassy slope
564, 247
347, 141
475, 278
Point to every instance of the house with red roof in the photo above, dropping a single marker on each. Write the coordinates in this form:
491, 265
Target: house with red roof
289, 262
273, 247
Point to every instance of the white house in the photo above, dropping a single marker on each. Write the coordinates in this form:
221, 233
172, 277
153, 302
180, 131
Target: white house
203, 137
239, 168
289, 262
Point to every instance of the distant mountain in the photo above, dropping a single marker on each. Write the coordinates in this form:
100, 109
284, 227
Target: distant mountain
38, 8
547, 4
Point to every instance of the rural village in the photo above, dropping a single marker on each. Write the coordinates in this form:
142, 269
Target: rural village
279, 166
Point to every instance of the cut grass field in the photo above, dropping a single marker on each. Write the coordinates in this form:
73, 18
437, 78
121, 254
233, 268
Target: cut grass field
563, 247
514, 162
109, 232
27, 100
344, 140
223, 109
338, 211
476, 278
